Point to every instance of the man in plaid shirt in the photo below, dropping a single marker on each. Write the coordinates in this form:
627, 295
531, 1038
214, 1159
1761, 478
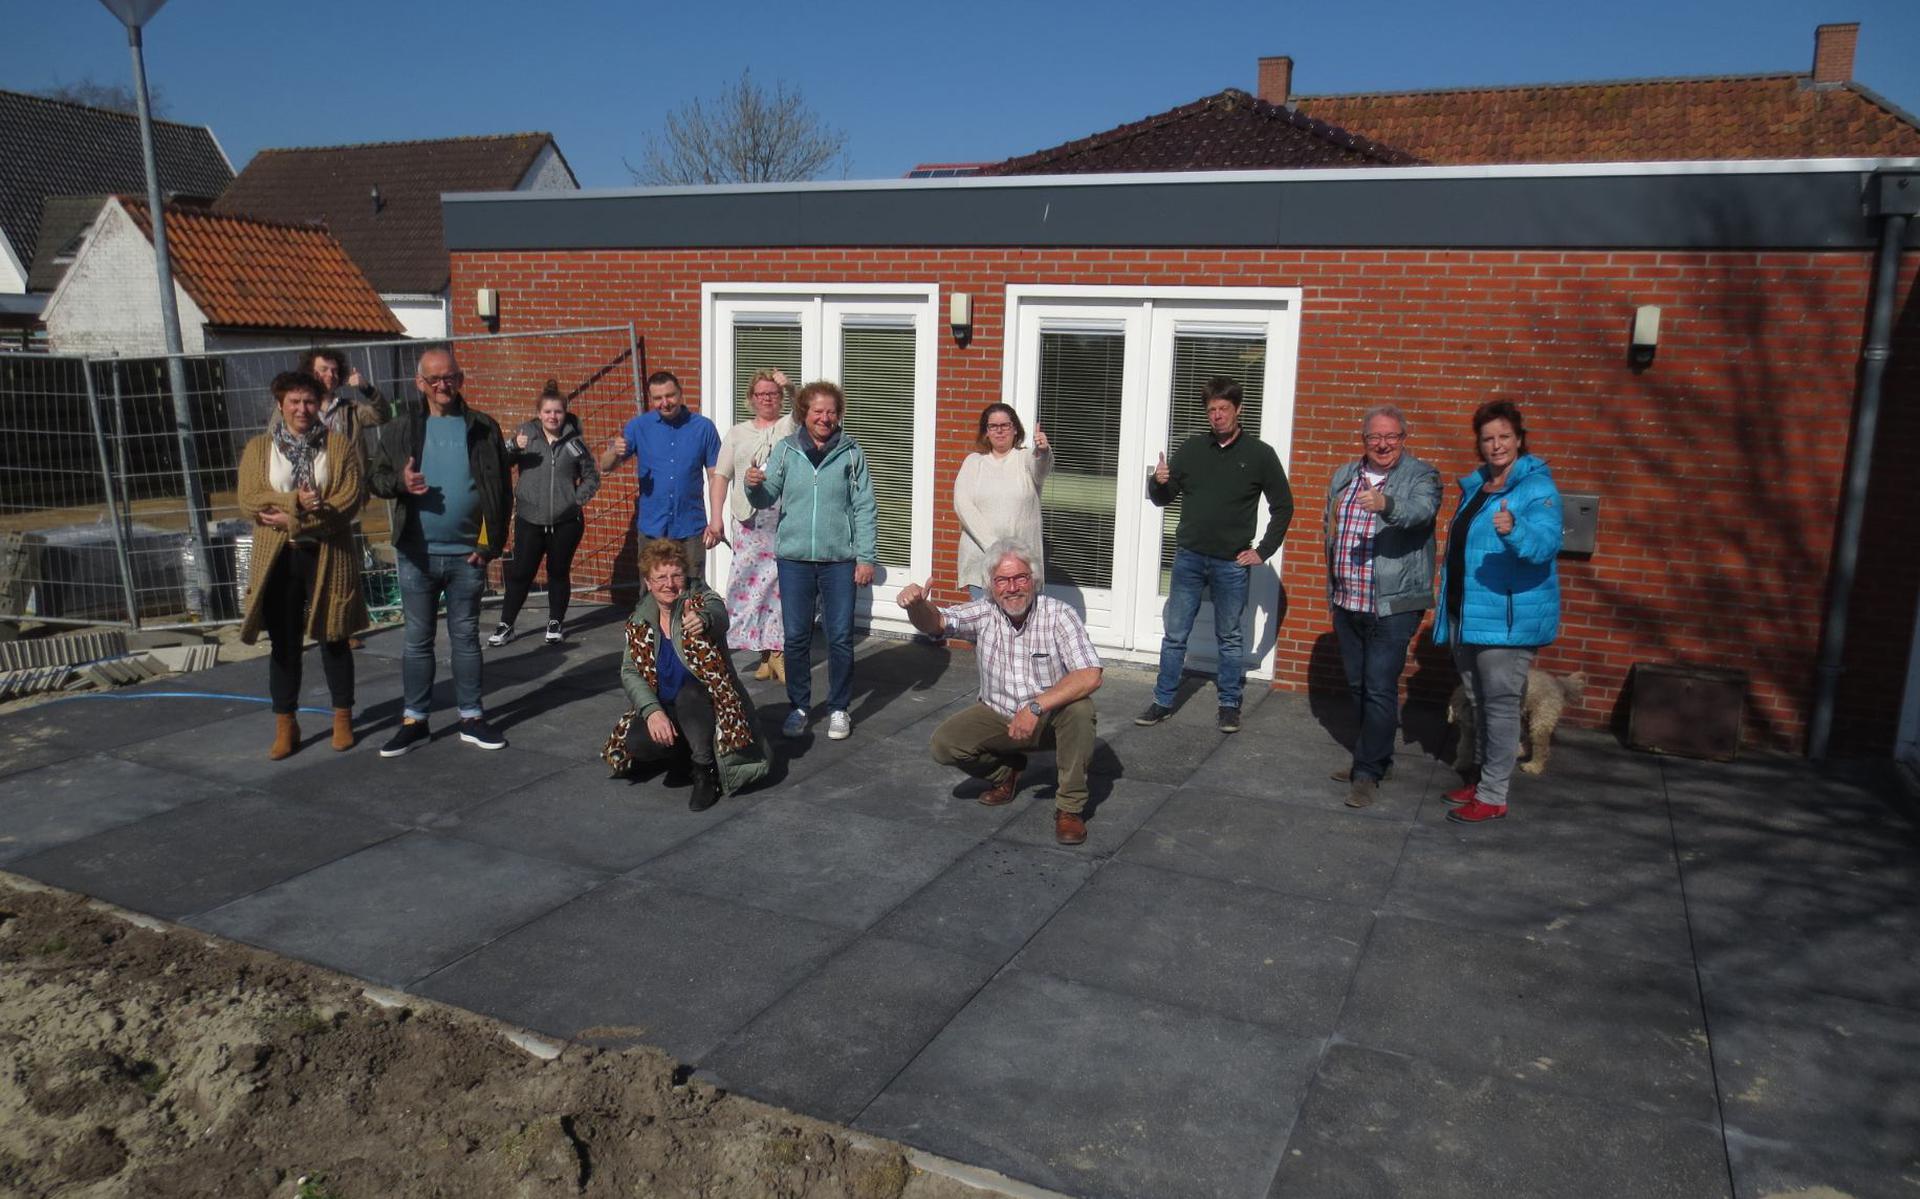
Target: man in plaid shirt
1379, 542
1038, 673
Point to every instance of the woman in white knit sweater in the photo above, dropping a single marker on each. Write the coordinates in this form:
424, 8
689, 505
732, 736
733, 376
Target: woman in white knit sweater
998, 492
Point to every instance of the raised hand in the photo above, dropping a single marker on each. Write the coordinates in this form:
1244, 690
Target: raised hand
691, 624
1372, 499
411, 480
755, 476
354, 378
519, 441
1503, 520
913, 593
1040, 443
1161, 473
617, 446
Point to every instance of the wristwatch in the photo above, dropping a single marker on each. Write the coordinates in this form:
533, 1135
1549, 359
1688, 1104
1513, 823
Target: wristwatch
1033, 706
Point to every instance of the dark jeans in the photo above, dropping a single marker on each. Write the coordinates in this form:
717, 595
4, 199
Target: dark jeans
1192, 574
830, 583
1374, 651
289, 590
692, 714
424, 578
531, 543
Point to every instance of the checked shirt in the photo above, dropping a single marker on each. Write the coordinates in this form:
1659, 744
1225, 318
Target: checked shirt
1353, 547
1018, 664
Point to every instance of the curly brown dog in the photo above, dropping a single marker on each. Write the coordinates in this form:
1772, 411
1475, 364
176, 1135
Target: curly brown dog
1548, 697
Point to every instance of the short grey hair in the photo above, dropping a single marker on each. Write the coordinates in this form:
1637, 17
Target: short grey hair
1392, 410
1008, 547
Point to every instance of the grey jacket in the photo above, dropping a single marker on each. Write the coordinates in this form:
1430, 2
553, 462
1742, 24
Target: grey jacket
557, 480
1403, 543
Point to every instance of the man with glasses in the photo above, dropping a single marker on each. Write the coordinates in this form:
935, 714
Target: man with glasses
445, 466
1038, 673
675, 450
1378, 531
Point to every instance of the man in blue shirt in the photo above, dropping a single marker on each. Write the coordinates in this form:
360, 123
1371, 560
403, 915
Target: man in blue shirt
675, 447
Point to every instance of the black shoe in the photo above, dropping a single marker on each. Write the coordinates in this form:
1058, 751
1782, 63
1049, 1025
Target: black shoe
412, 735
1228, 719
555, 634
1154, 714
706, 789
476, 731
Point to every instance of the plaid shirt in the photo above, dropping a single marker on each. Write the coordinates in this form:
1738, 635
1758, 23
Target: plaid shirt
1018, 664
1353, 549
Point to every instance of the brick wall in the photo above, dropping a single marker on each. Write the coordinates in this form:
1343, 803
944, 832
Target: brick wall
1718, 469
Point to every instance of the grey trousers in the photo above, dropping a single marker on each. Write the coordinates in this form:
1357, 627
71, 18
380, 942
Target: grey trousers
1495, 677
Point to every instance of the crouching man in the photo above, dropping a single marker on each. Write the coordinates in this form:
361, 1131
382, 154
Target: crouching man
1038, 673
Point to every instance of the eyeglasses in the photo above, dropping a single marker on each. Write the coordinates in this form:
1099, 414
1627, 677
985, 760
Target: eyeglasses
766, 395
1383, 438
999, 424
1005, 581
446, 380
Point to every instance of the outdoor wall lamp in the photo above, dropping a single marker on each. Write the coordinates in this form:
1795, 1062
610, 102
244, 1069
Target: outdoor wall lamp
960, 318
486, 304
1646, 337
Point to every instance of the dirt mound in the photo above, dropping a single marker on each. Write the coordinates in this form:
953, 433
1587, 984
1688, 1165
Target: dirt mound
164, 1064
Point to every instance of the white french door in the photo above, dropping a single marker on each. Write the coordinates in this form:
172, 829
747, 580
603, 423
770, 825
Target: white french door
876, 342
1114, 376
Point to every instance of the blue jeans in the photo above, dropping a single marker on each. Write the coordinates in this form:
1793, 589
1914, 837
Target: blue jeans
1193, 573
1374, 651
424, 578
831, 583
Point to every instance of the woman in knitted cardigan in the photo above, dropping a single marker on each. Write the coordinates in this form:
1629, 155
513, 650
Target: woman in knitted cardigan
301, 484
997, 496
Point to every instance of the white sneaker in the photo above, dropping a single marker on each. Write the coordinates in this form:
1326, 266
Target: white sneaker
502, 634
554, 634
839, 726
795, 724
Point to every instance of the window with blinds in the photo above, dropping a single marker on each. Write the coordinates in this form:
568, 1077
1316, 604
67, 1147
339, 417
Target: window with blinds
877, 373
1197, 358
772, 345
1081, 376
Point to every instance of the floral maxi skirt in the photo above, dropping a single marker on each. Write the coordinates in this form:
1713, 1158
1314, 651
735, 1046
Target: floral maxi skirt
753, 587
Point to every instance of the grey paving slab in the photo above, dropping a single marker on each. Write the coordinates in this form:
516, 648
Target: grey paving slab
109, 719
1774, 1170
1559, 890
1238, 951
828, 1046
990, 902
846, 869
1340, 856
1825, 1074
401, 909
1166, 753
1093, 1092
75, 798
1383, 1124
198, 856
1824, 931
21, 752
1627, 1031
1284, 760
899, 780
582, 817
1116, 808
638, 962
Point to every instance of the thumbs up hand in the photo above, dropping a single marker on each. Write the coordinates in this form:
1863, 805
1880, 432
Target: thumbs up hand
691, 625
913, 593
1503, 520
1040, 443
1372, 499
1160, 472
412, 480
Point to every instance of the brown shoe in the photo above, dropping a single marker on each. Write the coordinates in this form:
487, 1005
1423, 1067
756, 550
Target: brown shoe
286, 736
1362, 793
1002, 791
1069, 828
764, 670
343, 728
778, 664
1345, 775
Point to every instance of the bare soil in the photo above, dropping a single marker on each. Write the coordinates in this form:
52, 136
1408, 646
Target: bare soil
164, 1063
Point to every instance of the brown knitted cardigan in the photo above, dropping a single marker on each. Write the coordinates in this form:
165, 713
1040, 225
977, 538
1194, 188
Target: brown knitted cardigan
338, 609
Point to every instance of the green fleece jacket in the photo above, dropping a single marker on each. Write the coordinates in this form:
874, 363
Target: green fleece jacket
1220, 488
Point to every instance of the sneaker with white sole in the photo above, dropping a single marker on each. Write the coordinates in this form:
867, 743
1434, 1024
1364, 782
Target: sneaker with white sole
475, 730
795, 724
412, 735
555, 635
502, 633
839, 726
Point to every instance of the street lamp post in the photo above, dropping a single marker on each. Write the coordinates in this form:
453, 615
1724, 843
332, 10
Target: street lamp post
134, 14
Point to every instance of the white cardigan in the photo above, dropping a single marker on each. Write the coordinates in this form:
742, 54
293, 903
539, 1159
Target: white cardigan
998, 498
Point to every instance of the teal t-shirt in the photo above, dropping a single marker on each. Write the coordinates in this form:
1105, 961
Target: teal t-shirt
447, 517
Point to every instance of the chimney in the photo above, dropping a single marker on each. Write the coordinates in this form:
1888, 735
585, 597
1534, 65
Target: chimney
1276, 76
1832, 53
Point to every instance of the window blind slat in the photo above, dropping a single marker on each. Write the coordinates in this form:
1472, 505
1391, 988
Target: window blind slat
877, 367
1081, 382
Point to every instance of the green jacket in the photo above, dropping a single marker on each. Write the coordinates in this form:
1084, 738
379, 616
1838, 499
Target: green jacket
826, 511
1222, 490
738, 768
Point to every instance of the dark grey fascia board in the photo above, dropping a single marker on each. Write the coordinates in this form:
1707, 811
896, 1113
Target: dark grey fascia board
28, 304
1814, 204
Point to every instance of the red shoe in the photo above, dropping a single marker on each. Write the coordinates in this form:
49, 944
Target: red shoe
1460, 795
1475, 812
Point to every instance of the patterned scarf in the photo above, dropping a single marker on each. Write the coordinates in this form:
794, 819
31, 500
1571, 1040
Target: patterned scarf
300, 450
706, 661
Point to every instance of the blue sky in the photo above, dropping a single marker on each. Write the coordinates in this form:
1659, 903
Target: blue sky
908, 82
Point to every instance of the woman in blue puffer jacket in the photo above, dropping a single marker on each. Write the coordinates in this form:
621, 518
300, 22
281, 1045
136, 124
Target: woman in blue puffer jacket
1499, 595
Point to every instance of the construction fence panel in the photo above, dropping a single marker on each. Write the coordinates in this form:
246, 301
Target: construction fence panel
95, 513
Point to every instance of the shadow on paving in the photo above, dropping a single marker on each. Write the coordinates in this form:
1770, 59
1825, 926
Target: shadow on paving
1655, 977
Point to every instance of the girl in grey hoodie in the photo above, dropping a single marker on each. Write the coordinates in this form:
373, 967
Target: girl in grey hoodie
557, 478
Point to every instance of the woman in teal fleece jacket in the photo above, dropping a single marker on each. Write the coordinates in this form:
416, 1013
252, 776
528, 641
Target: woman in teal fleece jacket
1499, 595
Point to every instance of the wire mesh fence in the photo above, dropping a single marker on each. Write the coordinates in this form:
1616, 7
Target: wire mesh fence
97, 498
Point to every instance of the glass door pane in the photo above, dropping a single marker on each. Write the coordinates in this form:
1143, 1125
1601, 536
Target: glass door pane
877, 373
1080, 397
1197, 359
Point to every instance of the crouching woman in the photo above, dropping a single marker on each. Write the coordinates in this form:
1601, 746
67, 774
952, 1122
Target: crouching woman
688, 704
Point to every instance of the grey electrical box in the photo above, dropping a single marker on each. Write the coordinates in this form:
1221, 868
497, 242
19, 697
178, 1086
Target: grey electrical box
1580, 515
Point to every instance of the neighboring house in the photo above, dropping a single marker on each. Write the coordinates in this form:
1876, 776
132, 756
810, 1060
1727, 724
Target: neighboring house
239, 283
382, 200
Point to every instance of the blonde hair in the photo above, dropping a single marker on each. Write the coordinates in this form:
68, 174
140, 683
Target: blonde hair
767, 374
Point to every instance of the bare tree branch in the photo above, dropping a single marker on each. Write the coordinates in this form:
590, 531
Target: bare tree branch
744, 135
116, 96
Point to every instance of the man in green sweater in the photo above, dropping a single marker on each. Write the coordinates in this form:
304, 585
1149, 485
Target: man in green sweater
1221, 473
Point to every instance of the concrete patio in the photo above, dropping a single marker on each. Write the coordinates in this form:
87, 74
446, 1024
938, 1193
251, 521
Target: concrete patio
1657, 978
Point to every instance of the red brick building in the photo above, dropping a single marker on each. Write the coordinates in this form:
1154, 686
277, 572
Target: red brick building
1098, 301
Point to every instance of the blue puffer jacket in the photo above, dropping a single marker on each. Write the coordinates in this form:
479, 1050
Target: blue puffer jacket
1512, 594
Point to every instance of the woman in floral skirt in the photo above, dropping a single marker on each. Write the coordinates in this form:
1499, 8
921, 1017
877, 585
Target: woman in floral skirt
753, 587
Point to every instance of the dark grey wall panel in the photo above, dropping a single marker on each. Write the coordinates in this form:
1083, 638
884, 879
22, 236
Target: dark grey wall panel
1813, 210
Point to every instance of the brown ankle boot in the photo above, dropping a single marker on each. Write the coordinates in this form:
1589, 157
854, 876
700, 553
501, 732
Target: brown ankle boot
286, 735
765, 669
343, 728
779, 664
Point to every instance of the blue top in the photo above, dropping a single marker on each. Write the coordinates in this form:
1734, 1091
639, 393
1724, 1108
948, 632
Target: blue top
1510, 587
670, 457
447, 517
671, 672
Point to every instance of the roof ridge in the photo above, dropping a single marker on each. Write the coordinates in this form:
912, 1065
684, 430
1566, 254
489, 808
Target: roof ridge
1562, 86
111, 112
189, 210
415, 141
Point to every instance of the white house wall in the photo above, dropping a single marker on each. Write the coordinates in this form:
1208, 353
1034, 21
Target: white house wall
548, 173
13, 274
108, 302
420, 316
